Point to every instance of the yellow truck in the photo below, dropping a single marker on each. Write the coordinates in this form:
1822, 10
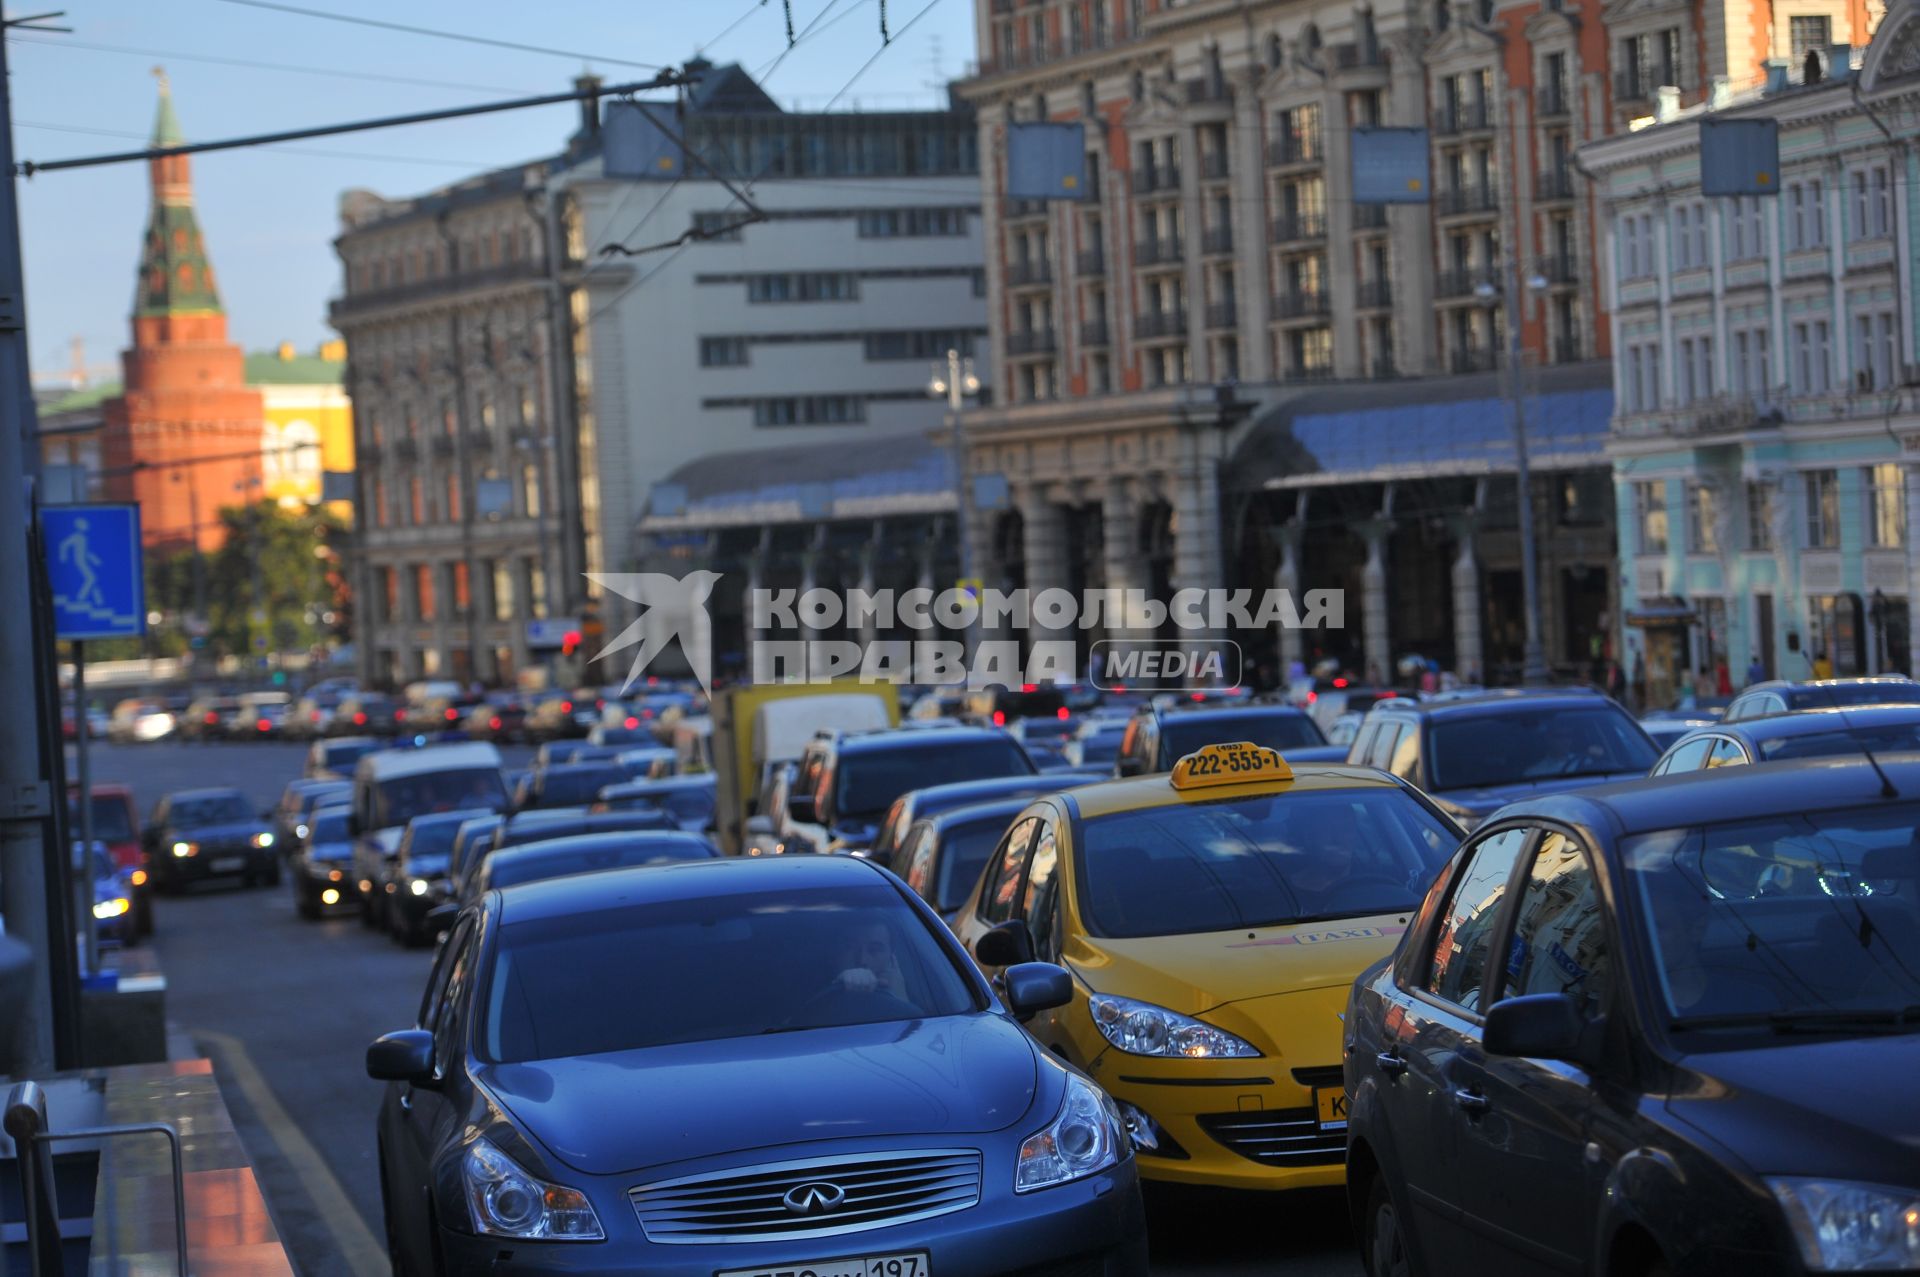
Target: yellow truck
760, 727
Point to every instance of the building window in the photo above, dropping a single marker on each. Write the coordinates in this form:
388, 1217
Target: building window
462, 590
810, 410
1759, 515
723, 352
502, 588
417, 500
1875, 352
423, 591
820, 286
1807, 35
453, 497
1823, 509
1702, 536
536, 604
1886, 506
1695, 369
380, 503
1806, 215
902, 223
1650, 515
1750, 371
1690, 236
1643, 378
530, 491
934, 344
717, 228
1812, 373
1746, 229
1872, 203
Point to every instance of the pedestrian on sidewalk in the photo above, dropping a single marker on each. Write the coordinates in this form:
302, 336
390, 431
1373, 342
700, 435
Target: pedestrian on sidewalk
1756, 670
1722, 680
1822, 667
1689, 696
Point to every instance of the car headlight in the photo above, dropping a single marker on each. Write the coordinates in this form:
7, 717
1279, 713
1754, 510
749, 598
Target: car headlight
113, 908
185, 849
1141, 1028
1089, 1135
418, 886
508, 1202
1845, 1227
263, 840
299, 831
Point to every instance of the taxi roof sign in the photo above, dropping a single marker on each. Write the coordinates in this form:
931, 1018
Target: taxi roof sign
1238, 763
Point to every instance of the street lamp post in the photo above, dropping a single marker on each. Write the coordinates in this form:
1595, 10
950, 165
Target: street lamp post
956, 383
1534, 668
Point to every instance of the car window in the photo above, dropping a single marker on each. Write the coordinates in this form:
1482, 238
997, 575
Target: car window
1036, 906
867, 781
1363, 741
915, 859
1560, 940
891, 828
1887, 738
452, 1017
437, 980
1384, 744
1535, 743
1001, 885
1281, 729
1691, 756
1406, 753
1458, 970
1726, 753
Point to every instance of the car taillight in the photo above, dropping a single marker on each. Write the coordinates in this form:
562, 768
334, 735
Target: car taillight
313, 716
399, 715
599, 704
263, 725
359, 720
1063, 713
1029, 687
212, 717
452, 714
1312, 697
1389, 696
646, 713
1199, 696
632, 722
566, 707
1339, 682
999, 718
494, 724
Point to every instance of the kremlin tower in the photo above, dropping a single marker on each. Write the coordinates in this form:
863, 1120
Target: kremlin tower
185, 392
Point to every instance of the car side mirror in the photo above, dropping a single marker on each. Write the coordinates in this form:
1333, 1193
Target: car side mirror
405, 1056
801, 808
1033, 987
1007, 944
1540, 1026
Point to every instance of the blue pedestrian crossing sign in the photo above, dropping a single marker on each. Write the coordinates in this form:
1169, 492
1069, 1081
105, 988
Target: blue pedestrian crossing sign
95, 567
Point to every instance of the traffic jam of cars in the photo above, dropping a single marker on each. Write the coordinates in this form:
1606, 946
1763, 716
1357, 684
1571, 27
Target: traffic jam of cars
856, 980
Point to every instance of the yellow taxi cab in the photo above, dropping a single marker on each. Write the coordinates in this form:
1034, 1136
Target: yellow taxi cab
1214, 920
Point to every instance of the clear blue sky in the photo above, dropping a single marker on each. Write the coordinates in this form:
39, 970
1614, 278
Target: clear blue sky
270, 215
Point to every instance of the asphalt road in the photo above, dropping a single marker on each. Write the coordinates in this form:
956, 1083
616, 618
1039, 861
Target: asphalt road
285, 1010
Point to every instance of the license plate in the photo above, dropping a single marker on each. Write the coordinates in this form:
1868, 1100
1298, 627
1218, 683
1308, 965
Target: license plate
1330, 1104
907, 1264
227, 864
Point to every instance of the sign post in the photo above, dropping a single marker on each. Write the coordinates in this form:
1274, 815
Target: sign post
95, 569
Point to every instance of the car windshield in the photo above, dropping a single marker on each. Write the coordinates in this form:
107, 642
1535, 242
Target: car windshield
328, 833
692, 970
111, 822
429, 842
513, 868
103, 863
1260, 862
218, 809
1790, 921
324, 796
340, 757
1884, 738
870, 780
964, 851
400, 799
576, 787
1535, 743
1182, 734
1853, 694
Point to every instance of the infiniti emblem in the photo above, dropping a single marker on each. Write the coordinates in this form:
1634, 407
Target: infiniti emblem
814, 1199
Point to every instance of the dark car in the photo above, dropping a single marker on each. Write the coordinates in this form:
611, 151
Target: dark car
421, 878
690, 800
197, 834
206, 718
333, 758
471, 842
918, 804
943, 855
1778, 696
590, 853
1000, 706
1664, 732
1813, 733
858, 776
1660, 1027
824, 1085
499, 719
628, 733
562, 716
297, 800
367, 715
322, 860
545, 826
1156, 739
566, 785
1475, 754
116, 824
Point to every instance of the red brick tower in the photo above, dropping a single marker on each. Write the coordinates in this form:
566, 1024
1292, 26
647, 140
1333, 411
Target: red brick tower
185, 393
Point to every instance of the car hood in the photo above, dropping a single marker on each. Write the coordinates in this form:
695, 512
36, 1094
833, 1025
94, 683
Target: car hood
1830, 1108
1195, 973
1318, 754
1484, 801
239, 831
616, 1113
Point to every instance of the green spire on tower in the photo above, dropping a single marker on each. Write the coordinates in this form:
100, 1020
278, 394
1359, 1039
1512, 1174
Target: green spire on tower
166, 126
176, 277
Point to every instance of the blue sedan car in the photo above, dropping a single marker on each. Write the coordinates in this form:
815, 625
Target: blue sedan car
737, 1067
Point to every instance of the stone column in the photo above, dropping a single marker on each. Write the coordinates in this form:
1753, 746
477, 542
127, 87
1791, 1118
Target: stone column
1373, 601
1287, 578
1411, 226
1468, 650
1250, 272
1196, 531
810, 559
759, 662
869, 632
1043, 546
1913, 562
1120, 547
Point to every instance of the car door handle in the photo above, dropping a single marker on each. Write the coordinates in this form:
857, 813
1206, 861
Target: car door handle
1390, 1064
1471, 1101
406, 1098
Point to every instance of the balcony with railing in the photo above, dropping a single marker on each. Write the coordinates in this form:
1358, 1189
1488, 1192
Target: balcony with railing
1157, 325
1639, 84
445, 446
1025, 210
1217, 240
1557, 268
1156, 180
1553, 185
1093, 332
1159, 252
1454, 118
1566, 349
1215, 167
1299, 227
1359, 56
1288, 150
1376, 294
1309, 372
1383, 368
1468, 359
1456, 283
1029, 272
1207, 89
407, 450
1469, 200
1092, 262
1369, 217
1301, 303
1222, 315
1037, 341
1553, 101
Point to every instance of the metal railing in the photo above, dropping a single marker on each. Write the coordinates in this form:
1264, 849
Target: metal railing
1636, 84
1091, 262
1552, 100
1291, 228
1469, 199
1288, 149
1383, 368
1214, 166
1309, 372
1217, 239
1206, 89
1352, 57
1462, 117
1473, 359
443, 285
1557, 268
1376, 294
1554, 184
1038, 341
1566, 349
1223, 315
1093, 332
1369, 217
1158, 252
1020, 210
1301, 304
1030, 271
1456, 283
1165, 177
1160, 323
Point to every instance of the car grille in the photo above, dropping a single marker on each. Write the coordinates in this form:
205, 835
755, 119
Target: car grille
1278, 1137
748, 1204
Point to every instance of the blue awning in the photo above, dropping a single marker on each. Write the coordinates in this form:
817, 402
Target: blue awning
856, 478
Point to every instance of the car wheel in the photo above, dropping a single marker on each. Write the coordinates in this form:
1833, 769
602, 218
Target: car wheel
1384, 1243
272, 878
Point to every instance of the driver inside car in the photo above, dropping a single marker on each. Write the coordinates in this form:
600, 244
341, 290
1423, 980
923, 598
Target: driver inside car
1320, 836
867, 962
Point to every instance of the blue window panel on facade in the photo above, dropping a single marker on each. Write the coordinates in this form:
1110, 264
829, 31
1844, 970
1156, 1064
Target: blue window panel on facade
1740, 157
1470, 436
636, 144
1390, 166
1046, 161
